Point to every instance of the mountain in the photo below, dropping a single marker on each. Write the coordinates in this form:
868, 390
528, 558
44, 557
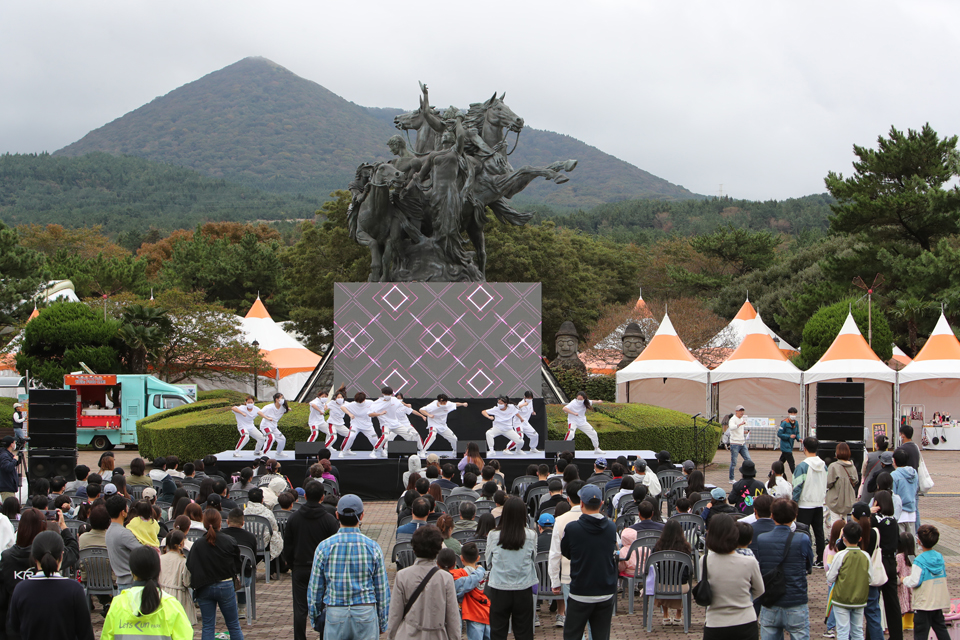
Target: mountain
257, 123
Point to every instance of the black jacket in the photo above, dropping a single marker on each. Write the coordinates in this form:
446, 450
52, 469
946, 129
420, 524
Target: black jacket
744, 492
589, 543
210, 564
9, 483
723, 507
762, 525
243, 538
872, 478
797, 565
167, 489
307, 528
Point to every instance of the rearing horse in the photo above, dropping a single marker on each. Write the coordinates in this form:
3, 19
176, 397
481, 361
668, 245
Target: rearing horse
425, 121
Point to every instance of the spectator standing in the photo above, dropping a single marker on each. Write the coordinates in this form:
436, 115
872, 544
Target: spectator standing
348, 579
737, 431
788, 434
908, 446
9, 482
928, 579
885, 524
906, 549
434, 615
849, 577
213, 562
559, 566
174, 577
120, 541
763, 521
735, 582
511, 556
308, 527
841, 487
747, 489
905, 485
476, 605
809, 492
790, 612
871, 463
590, 543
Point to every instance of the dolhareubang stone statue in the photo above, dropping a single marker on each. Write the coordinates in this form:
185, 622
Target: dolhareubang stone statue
412, 211
633, 341
567, 344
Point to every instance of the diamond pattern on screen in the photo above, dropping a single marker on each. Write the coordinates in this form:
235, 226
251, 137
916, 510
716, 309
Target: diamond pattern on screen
463, 339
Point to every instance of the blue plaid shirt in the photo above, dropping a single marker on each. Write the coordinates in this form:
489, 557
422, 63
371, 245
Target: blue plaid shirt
348, 569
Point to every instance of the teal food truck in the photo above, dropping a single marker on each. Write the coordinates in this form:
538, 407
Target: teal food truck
108, 406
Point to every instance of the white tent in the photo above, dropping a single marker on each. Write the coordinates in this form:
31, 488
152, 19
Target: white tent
666, 375
733, 334
932, 379
758, 375
851, 358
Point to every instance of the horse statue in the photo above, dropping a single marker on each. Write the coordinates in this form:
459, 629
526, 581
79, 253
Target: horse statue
425, 121
379, 222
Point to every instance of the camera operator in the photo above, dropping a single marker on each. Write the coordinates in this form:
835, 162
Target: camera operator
9, 480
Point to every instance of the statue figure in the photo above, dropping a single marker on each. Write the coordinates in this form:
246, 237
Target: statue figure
457, 168
633, 342
568, 342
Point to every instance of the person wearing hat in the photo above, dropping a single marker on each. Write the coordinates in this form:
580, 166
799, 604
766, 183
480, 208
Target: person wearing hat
884, 465
737, 432
590, 543
600, 472
348, 578
747, 489
718, 504
9, 481
545, 530
18, 419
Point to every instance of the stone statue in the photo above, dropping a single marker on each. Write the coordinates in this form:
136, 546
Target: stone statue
568, 341
459, 166
633, 342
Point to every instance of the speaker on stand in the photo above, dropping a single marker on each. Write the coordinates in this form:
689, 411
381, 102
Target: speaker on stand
52, 428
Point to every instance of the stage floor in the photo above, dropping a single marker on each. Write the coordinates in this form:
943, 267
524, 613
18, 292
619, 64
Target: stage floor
610, 455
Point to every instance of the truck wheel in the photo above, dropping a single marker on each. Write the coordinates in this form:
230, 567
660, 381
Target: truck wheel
101, 443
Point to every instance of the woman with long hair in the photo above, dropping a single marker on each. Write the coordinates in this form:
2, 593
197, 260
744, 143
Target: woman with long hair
107, 465
842, 485
671, 539
145, 606
205, 489
577, 419
735, 582
445, 525
777, 485
886, 525
485, 524
511, 556
269, 424
695, 482
471, 456
176, 506
195, 513
213, 562
120, 482
174, 576
33, 621
435, 492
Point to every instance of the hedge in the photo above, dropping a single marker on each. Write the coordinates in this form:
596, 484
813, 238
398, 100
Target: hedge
597, 387
6, 411
205, 400
640, 426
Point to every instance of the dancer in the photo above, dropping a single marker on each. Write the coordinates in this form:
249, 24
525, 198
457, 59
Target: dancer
404, 429
436, 413
361, 412
335, 424
271, 415
245, 415
317, 408
502, 417
387, 410
523, 426
577, 419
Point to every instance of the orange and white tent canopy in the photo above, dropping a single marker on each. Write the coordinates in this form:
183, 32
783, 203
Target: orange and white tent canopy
899, 359
284, 353
758, 356
939, 357
665, 357
733, 334
849, 357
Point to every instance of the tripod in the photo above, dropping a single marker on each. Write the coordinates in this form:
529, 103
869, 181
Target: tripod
22, 471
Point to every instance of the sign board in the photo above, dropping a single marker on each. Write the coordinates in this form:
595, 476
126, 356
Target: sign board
761, 422
878, 429
88, 379
189, 390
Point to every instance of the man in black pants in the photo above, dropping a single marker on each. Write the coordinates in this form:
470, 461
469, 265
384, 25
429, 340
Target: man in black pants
789, 433
310, 525
809, 492
590, 543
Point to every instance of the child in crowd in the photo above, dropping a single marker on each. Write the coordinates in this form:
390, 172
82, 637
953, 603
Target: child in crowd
174, 576
849, 577
746, 537
683, 505
928, 579
144, 525
836, 532
474, 603
905, 549
777, 485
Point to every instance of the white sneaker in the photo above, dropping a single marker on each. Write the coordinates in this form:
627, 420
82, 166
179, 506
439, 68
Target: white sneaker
236, 453
599, 451
534, 451
561, 618
374, 454
507, 452
348, 453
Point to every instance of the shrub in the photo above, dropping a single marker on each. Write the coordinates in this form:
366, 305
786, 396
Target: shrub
602, 388
6, 411
824, 325
570, 380
205, 400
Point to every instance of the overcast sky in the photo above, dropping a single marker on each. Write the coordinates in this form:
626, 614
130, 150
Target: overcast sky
763, 97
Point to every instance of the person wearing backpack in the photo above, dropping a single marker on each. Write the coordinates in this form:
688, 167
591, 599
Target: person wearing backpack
784, 569
842, 485
849, 576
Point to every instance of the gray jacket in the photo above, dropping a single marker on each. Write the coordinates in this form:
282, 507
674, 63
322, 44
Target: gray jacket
435, 615
512, 570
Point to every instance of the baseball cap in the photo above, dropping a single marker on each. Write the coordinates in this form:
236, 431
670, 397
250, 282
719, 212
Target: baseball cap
149, 493
688, 465
350, 505
740, 407
640, 464
431, 458
600, 463
718, 494
546, 519
590, 495
301, 492
7, 441
213, 499
886, 458
109, 489
860, 510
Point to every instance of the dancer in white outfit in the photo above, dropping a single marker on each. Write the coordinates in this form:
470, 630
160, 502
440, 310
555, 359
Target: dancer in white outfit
335, 424
361, 421
245, 415
523, 426
402, 428
316, 421
436, 413
271, 415
577, 419
502, 417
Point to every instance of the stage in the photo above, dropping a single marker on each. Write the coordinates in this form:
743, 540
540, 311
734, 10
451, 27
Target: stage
381, 478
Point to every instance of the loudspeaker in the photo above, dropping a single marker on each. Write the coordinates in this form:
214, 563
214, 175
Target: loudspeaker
53, 396
402, 447
52, 411
48, 463
305, 450
53, 434
462, 447
53, 419
553, 447
827, 451
840, 409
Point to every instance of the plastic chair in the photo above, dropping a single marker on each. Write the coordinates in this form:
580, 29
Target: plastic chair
625, 521
282, 518
403, 555
404, 537
76, 501
545, 590
624, 505
667, 478
401, 505
693, 528
677, 491
482, 549
440, 507
237, 493
463, 535
248, 563
260, 527
521, 480
192, 491
405, 520
136, 491
331, 488
535, 496
672, 570
73, 525
485, 506
97, 576
641, 547
548, 510
700, 506
195, 534
445, 493
453, 503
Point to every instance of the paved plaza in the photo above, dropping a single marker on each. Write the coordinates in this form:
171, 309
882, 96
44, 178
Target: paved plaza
942, 508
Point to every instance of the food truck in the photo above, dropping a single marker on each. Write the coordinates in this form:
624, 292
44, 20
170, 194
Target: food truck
108, 406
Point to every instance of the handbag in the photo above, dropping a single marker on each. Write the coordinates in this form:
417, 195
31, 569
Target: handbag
702, 593
774, 583
416, 594
878, 574
925, 482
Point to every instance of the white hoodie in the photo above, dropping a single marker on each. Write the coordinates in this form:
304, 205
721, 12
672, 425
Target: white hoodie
814, 480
